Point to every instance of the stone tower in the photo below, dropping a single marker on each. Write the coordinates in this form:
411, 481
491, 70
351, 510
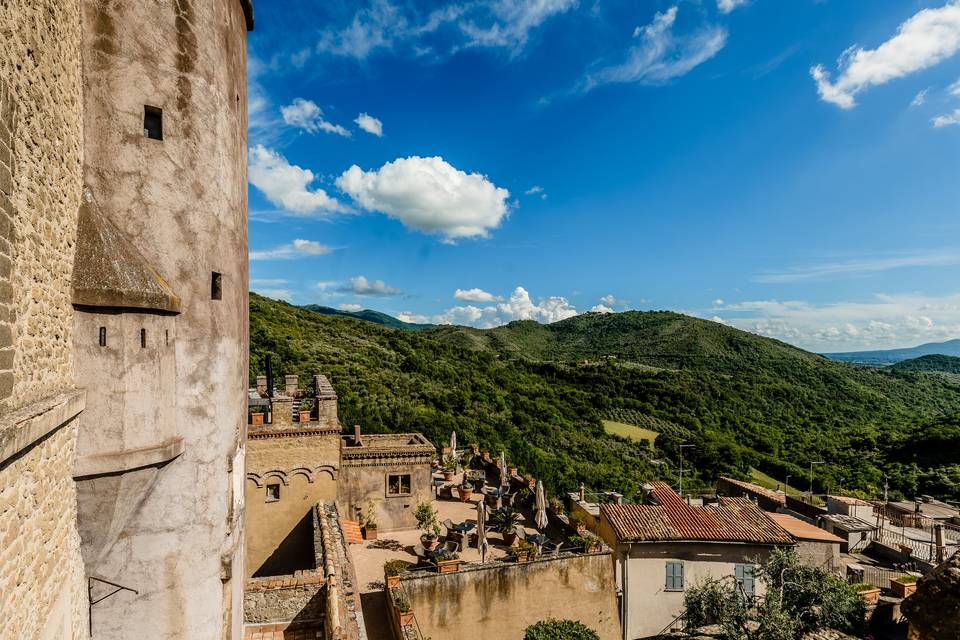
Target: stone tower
160, 329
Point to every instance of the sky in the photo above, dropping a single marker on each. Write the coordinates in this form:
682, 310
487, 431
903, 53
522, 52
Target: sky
791, 168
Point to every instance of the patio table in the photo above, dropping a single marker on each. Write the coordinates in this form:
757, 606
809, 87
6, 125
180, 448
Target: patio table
536, 538
464, 527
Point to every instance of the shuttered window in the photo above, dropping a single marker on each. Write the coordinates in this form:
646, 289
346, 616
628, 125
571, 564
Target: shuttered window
744, 576
674, 576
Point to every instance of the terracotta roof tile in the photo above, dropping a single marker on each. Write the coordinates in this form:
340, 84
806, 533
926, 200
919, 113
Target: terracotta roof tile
757, 489
733, 520
802, 530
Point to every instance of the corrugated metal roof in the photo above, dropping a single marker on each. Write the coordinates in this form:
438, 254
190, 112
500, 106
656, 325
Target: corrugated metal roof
802, 530
733, 520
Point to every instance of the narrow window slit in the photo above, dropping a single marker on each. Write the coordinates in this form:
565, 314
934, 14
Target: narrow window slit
153, 122
216, 286
143, 338
103, 336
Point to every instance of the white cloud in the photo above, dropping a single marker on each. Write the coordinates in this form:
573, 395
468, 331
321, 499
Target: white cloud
920, 98
726, 6
518, 307
413, 318
276, 294
306, 115
361, 286
601, 308
861, 267
429, 195
924, 40
660, 54
287, 185
267, 282
883, 321
370, 124
609, 300
475, 295
718, 302
947, 119
511, 22
372, 28
350, 306
536, 190
296, 249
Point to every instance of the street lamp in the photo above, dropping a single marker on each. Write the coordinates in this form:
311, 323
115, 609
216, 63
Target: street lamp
811, 474
682, 447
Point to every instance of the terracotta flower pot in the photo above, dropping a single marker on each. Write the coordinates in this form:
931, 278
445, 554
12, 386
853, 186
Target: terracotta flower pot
522, 556
465, 493
448, 566
369, 533
448, 476
902, 589
870, 596
304, 417
256, 419
429, 543
393, 582
509, 538
406, 619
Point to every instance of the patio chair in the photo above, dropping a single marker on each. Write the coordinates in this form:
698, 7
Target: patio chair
521, 532
552, 547
448, 523
421, 553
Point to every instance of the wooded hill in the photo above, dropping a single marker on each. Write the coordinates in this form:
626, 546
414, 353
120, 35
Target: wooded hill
539, 392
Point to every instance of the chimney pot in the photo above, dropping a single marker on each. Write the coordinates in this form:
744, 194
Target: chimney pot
356, 435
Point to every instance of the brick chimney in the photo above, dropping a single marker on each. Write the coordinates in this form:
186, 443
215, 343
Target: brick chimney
262, 386
291, 383
356, 436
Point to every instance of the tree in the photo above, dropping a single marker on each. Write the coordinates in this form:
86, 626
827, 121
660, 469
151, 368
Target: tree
799, 599
553, 629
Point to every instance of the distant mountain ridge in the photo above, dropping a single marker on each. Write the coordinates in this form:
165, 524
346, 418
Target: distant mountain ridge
885, 357
377, 317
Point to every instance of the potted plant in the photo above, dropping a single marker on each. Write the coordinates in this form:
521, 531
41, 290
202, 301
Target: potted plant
392, 569
587, 540
306, 407
904, 586
404, 611
505, 521
555, 505
511, 470
524, 552
256, 416
369, 520
465, 490
426, 519
449, 468
447, 561
869, 593
578, 523
530, 481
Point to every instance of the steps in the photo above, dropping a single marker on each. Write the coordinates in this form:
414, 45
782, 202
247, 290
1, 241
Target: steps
351, 531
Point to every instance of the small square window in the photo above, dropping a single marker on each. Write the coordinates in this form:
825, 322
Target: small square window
216, 286
153, 122
398, 484
273, 492
674, 576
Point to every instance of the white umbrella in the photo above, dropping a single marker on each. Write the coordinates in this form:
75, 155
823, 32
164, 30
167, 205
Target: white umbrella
482, 530
504, 480
541, 518
453, 444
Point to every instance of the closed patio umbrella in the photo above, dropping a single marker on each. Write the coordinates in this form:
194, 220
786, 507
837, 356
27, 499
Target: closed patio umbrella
453, 444
541, 517
504, 480
482, 546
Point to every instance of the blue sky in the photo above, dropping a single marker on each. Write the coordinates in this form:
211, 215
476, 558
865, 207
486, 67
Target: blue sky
791, 168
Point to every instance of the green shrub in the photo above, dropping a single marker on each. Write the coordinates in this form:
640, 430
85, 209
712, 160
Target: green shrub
552, 629
396, 567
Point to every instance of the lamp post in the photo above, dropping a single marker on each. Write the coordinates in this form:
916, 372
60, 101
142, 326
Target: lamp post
786, 485
682, 447
812, 464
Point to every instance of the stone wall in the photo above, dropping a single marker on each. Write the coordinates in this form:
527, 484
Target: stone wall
297, 598
42, 582
509, 597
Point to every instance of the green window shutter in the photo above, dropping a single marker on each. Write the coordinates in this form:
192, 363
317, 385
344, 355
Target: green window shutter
674, 576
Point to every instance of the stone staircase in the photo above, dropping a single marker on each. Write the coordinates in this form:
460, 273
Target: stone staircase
351, 531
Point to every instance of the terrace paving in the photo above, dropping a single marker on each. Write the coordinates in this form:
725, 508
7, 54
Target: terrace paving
369, 557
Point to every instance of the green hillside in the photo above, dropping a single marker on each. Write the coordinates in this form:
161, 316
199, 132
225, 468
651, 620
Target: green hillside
369, 315
930, 364
540, 392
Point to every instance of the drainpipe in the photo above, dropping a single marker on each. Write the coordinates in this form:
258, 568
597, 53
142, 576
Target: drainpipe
625, 594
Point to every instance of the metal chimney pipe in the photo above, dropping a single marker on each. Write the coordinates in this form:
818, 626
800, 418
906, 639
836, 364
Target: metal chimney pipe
269, 376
